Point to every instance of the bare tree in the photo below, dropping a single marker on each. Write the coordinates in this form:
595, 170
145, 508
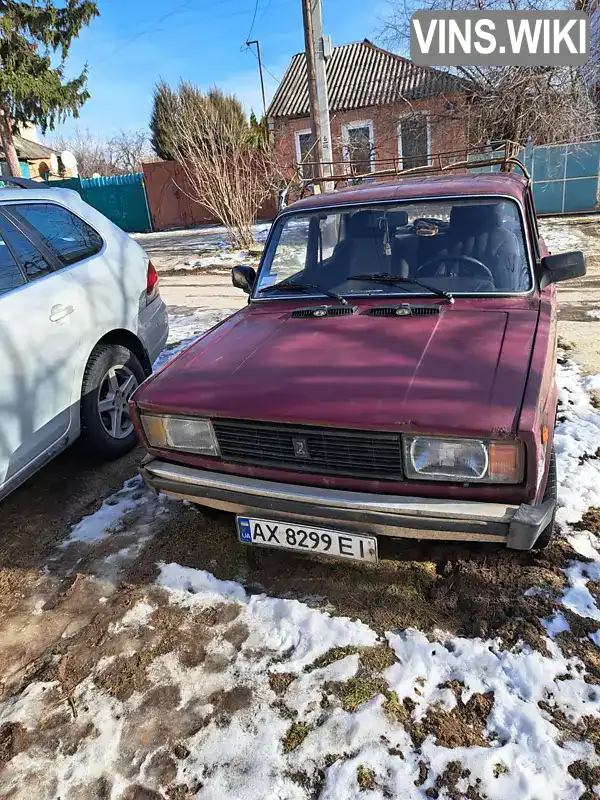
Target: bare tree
227, 173
546, 104
121, 153
131, 149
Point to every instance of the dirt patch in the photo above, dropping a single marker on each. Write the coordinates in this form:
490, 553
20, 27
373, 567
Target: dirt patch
448, 780
586, 730
279, 681
13, 739
226, 703
377, 659
463, 726
590, 521
589, 776
137, 792
466, 590
237, 634
295, 735
331, 656
125, 675
574, 647
365, 778
162, 768
43, 510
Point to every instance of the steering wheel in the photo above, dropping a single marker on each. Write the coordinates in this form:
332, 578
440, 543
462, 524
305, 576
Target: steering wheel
476, 267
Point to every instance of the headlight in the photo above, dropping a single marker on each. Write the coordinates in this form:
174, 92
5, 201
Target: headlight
464, 460
190, 434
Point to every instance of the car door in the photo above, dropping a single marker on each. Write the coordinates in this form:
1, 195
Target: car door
39, 342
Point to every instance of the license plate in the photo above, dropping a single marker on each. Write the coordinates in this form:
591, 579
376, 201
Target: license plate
305, 539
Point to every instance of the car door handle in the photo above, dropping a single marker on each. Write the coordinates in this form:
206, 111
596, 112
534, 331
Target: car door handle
59, 312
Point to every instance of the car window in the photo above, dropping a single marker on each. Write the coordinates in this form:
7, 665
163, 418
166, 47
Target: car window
10, 275
69, 236
32, 261
468, 245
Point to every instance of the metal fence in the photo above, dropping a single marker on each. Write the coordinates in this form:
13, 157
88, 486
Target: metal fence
121, 198
566, 177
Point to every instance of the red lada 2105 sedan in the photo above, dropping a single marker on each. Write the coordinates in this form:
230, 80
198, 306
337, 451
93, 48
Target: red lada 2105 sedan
393, 374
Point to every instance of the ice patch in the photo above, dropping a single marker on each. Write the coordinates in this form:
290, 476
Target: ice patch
102, 523
556, 624
578, 598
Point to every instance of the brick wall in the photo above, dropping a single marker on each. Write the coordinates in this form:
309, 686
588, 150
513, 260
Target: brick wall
447, 130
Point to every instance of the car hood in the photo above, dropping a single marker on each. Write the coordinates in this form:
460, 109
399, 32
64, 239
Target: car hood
461, 372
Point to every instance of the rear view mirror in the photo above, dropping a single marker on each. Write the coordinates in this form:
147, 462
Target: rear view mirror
562, 267
243, 278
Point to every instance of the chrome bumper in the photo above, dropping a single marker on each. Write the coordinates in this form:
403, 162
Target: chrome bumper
383, 515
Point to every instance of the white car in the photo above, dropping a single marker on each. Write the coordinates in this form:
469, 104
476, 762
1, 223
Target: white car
81, 323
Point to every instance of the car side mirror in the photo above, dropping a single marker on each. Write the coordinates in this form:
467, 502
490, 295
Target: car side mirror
562, 267
243, 278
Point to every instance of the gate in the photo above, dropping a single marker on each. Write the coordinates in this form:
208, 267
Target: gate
566, 177
121, 198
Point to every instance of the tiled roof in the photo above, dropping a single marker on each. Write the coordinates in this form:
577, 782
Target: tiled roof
29, 151
359, 75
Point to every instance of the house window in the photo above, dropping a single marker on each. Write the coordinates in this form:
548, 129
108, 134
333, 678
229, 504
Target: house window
305, 153
359, 146
413, 142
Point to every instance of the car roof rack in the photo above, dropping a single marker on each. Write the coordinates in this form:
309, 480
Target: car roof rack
439, 163
22, 183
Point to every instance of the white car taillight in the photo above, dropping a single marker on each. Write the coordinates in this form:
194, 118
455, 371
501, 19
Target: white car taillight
152, 291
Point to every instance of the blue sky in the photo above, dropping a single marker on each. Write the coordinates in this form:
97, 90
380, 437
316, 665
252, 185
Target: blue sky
128, 48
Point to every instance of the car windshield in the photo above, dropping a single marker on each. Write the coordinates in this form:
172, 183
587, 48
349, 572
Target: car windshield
467, 246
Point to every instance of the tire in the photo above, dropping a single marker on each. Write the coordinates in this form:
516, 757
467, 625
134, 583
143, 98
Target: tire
550, 492
112, 374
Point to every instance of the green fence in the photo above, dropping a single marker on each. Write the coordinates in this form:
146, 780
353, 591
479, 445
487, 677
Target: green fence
565, 177
121, 198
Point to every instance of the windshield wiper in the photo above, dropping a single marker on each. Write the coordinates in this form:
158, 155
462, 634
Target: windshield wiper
296, 286
386, 277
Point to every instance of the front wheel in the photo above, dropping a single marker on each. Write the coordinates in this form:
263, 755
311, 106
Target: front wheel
551, 493
111, 376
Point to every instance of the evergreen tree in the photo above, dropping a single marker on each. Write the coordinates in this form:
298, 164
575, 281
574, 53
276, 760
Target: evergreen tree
31, 90
258, 131
162, 122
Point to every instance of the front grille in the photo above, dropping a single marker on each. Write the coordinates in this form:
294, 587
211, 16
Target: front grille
404, 311
322, 450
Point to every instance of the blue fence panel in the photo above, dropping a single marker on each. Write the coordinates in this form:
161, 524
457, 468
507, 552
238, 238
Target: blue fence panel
566, 177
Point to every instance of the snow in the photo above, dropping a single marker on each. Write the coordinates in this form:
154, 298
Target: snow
276, 625
136, 617
594, 313
576, 438
110, 515
556, 624
578, 597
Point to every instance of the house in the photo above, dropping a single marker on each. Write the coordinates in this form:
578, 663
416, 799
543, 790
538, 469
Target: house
383, 109
33, 157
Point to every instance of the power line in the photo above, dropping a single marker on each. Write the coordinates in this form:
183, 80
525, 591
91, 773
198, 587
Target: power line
253, 20
264, 66
151, 27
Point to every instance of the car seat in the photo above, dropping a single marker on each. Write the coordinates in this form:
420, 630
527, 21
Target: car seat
477, 231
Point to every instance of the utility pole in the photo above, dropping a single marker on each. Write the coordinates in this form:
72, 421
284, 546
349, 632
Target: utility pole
315, 48
262, 86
